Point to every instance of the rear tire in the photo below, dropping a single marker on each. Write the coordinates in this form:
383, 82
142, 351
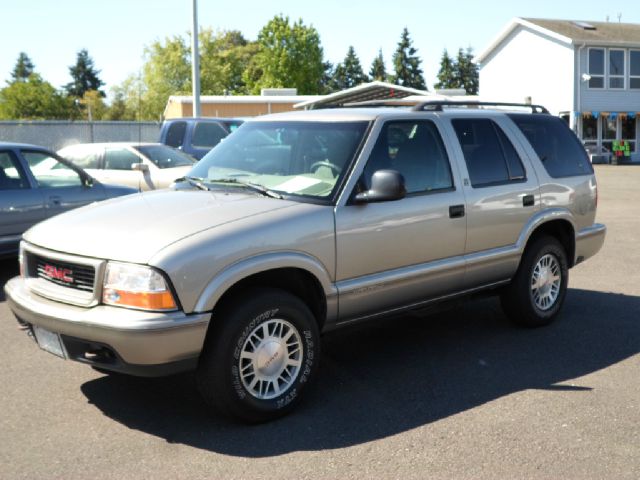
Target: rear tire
537, 291
260, 355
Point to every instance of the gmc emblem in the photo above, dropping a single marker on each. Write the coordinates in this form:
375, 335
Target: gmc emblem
55, 273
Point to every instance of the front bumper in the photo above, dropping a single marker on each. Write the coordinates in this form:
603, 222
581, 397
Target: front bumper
589, 241
114, 338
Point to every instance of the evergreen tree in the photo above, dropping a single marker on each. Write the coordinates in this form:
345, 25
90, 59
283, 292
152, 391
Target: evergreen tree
84, 76
24, 67
349, 73
378, 70
447, 75
466, 72
407, 64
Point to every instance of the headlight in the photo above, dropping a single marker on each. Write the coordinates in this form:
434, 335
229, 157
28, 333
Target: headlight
136, 286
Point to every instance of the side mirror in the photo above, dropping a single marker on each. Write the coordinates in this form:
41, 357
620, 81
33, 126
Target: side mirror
140, 167
386, 185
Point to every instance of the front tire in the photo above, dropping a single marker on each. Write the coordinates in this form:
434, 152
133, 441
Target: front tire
260, 355
537, 291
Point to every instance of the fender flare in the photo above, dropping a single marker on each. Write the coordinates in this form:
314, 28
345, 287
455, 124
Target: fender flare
232, 274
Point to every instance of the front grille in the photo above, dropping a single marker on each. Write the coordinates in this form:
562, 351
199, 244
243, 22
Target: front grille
70, 275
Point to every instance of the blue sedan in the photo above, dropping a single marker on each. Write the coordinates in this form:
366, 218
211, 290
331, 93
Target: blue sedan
36, 184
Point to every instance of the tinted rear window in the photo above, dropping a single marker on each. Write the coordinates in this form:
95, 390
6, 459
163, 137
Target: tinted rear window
558, 148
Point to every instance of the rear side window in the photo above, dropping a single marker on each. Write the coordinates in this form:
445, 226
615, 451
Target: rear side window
207, 134
558, 148
490, 157
175, 134
83, 156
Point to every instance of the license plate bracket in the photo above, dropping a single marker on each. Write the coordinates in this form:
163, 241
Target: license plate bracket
49, 341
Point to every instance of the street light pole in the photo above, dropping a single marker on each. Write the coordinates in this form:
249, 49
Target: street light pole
195, 61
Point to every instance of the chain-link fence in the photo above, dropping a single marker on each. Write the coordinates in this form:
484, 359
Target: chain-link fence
57, 134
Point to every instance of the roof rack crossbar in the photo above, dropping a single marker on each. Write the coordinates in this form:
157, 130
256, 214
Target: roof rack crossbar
436, 105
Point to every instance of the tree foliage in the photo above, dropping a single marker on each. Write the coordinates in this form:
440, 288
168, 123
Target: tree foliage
84, 76
378, 69
407, 64
447, 77
34, 99
166, 72
460, 72
288, 55
349, 73
466, 71
23, 69
225, 56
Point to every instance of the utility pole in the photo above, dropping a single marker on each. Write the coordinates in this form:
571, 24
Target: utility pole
195, 61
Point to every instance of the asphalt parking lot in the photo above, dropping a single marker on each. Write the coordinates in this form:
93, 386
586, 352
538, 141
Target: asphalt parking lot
459, 394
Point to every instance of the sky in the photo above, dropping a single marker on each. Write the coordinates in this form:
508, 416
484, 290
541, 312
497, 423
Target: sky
115, 32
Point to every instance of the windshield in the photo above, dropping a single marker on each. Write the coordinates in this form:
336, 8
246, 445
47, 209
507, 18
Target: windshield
298, 158
165, 157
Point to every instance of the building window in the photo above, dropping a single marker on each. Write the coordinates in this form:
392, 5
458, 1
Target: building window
634, 69
596, 67
616, 68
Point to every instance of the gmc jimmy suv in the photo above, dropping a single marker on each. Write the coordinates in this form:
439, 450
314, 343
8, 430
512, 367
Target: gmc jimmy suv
305, 221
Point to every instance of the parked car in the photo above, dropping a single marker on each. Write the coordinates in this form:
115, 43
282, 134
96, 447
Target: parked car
145, 166
196, 136
36, 184
302, 222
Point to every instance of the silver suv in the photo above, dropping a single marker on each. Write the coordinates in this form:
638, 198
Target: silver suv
302, 222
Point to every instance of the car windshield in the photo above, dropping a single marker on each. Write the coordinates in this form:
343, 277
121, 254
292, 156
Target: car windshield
296, 158
165, 157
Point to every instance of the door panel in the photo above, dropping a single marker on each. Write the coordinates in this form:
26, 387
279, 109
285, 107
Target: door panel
502, 194
397, 253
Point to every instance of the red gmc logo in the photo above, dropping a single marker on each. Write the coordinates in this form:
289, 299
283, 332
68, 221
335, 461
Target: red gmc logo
62, 274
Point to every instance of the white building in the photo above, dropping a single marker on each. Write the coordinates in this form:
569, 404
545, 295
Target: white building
586, 72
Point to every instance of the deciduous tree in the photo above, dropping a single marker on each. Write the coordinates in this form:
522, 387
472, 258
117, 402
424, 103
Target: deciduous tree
289, 55
34, 99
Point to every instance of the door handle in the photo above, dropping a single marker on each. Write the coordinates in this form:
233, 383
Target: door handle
528, 201
456, 211
55, 200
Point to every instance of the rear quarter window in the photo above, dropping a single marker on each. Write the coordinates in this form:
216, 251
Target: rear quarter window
559, 150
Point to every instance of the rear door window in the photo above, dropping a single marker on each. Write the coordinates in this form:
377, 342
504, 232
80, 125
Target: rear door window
558, 148
490, 157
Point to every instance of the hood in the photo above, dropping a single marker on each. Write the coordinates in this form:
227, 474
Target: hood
135, 227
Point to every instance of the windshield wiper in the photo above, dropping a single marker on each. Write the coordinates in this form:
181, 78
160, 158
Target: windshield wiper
195, 181
251, 186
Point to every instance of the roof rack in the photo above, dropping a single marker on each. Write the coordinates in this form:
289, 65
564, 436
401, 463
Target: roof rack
436, 105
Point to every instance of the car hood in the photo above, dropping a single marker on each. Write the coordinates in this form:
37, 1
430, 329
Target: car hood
135, 227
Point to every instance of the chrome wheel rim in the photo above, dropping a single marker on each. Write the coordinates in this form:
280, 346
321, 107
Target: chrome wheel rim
270, 359
545, 282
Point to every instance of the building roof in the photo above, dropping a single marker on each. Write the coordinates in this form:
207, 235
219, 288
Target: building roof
571, 32
361, 93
